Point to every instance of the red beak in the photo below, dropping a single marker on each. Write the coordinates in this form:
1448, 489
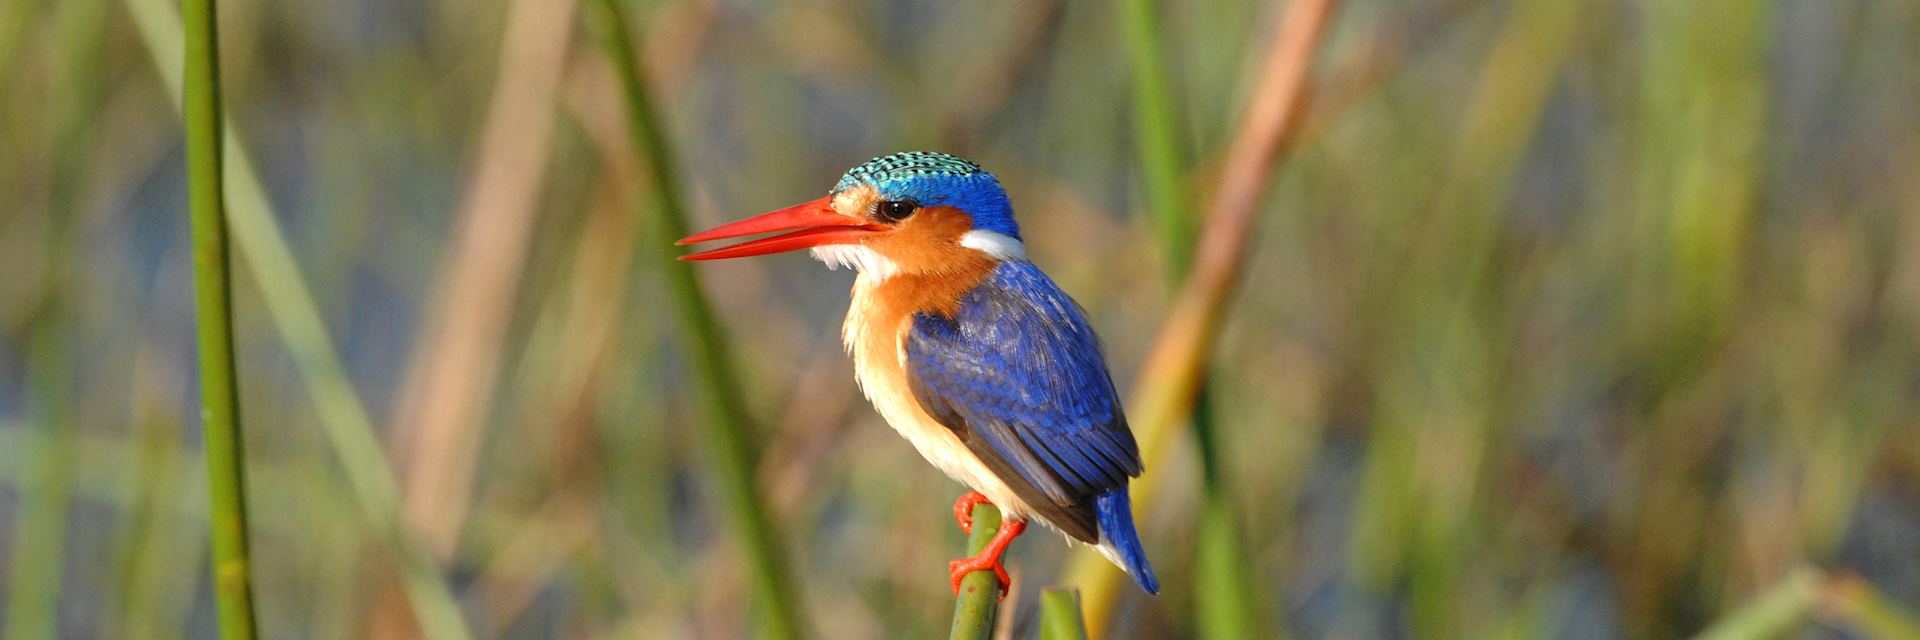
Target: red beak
813, 223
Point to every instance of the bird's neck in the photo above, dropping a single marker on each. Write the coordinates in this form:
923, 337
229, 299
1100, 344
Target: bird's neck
937, 292
883, 307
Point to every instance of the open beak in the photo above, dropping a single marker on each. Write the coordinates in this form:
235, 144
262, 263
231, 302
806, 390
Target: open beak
813, 223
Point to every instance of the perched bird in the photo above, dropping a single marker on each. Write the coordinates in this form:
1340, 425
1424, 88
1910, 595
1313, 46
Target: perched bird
969, 350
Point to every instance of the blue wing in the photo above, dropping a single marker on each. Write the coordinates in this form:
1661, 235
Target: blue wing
1017, 374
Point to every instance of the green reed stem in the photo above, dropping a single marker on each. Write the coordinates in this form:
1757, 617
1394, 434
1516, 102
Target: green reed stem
1156, 131
290, 304
213, 316
1222, 583
729, 437
1164, 393
979, 600
1060, 615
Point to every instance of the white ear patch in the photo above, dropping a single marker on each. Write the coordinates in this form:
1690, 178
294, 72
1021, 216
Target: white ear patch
864, 260
1001, 246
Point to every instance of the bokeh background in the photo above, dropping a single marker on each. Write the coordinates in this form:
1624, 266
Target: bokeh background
1561, 318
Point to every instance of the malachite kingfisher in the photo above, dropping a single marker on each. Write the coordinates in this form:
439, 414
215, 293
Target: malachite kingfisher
969, 350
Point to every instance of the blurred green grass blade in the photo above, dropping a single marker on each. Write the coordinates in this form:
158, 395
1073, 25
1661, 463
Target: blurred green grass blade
1226, 606
1165, 392
15, 15
46, 479
150, 472
979, 599
1060, 615
290, 304
1865, 608
1702, 126
1156, 132
213, 320
1706, 125
1771, 614
727, 429
1414, 516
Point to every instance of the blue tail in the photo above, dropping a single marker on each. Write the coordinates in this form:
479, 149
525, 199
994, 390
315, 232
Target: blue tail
1114, 510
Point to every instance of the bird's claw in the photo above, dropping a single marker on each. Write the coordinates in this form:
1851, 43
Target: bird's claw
989, 556
960, 568
963, 511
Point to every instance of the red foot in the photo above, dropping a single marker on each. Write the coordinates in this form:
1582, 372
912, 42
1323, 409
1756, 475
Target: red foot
963, 509
989, 557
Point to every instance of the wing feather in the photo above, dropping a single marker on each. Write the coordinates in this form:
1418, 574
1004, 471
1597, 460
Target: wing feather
1017, 373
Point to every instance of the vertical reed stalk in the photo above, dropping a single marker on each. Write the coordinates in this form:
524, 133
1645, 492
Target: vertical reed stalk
290, 304
1060, 615
213, 313
726, 428
979, 600
1156, 131
1222, 590
1164, 394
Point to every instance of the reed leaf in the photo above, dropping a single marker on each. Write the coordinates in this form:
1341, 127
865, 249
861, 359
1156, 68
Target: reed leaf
729, 436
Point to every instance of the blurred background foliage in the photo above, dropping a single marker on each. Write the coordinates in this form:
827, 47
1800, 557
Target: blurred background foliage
1564, 318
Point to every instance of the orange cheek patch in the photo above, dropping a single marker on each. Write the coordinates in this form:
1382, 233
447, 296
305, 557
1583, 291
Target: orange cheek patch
927, 242
935, 271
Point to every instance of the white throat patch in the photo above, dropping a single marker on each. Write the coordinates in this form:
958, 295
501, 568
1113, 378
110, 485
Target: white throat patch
862, 259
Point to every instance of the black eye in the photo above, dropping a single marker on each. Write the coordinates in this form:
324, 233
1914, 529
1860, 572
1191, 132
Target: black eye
894, 210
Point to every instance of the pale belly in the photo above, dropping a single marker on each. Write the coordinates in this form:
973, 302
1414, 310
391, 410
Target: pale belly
878, 364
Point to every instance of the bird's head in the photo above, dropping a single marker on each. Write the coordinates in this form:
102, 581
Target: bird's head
916, 212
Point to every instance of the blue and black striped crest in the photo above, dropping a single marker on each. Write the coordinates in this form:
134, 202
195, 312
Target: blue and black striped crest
937, 179
907, 165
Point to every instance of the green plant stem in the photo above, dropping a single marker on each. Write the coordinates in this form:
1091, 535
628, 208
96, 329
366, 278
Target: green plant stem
1770, 615
1164, 392
290, 304
727, 426
1156, 131
1060, 615
213, 315
1224, 600
979, 599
